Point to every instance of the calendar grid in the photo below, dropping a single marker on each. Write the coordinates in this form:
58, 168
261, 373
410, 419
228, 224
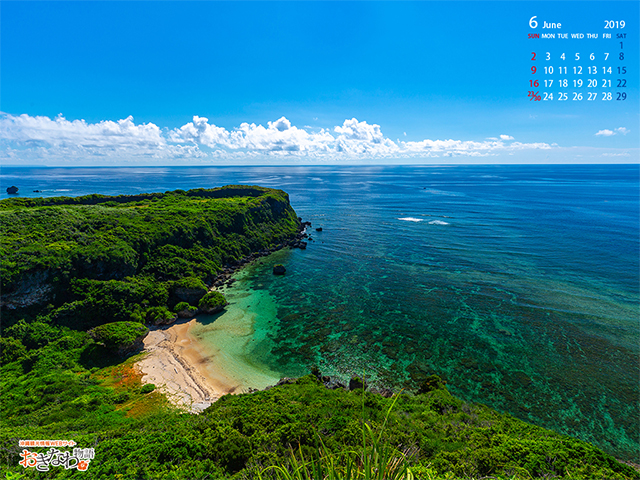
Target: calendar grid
577, 66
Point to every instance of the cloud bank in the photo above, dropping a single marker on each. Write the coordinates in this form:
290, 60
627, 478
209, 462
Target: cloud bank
24, 137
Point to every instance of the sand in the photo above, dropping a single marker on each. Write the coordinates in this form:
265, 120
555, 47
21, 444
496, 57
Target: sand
175, 363
195, 362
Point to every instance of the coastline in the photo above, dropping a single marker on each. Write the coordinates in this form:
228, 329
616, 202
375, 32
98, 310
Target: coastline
462, 361
173, 363
196, 361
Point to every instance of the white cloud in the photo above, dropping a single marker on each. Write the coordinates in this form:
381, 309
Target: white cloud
609, 133
355, 130
281, 124
25, 137
60, 131
460, 147
605, 133
361, 139
199, 131
278, 136
623, 154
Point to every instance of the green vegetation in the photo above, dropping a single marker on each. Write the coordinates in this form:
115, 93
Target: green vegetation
81, 276
181, 306
185, 308
376, 460
158, 316
98, 259
147, 388
212, 301
119, 335
287, 429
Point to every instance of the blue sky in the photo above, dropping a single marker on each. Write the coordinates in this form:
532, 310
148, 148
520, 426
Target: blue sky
427, 82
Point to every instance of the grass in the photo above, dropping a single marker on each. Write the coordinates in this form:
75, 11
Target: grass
376, 461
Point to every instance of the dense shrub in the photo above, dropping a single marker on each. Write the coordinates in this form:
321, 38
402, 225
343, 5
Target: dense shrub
118, 335
11, 349
212, 301
159, 315
112, 253
148, 388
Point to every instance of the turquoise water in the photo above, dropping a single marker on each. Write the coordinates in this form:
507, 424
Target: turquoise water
517, 284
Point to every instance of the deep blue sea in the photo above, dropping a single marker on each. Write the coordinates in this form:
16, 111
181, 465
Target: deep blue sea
517, 284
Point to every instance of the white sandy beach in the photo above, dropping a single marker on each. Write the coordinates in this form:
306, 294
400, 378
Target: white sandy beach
173, 364
196, 362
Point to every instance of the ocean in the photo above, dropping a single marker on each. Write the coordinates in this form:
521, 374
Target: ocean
519, 285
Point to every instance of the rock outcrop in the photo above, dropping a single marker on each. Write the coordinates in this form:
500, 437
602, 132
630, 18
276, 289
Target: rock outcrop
187, 312
356, 383
189, 295
32, 289
167, 320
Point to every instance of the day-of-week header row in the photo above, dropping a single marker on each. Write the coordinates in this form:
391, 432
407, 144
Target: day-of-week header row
575, 35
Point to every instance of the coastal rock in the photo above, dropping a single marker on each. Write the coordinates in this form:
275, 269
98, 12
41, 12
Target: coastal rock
286, 381
302, 245
385, 392
12, 189
190, 295
187, 313
327, 381
433, 382
279, 269
184, 310
167, 320
319, 229
212, 302
282, 381
315, 371
32, 289
212, 310
357, 383
136, 346
334, 384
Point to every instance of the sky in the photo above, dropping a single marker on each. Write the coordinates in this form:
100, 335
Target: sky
303, 82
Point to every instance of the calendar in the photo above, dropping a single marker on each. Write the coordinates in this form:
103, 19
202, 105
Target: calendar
570, 62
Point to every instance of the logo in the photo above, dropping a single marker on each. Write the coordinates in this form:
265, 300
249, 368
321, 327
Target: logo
79, 458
